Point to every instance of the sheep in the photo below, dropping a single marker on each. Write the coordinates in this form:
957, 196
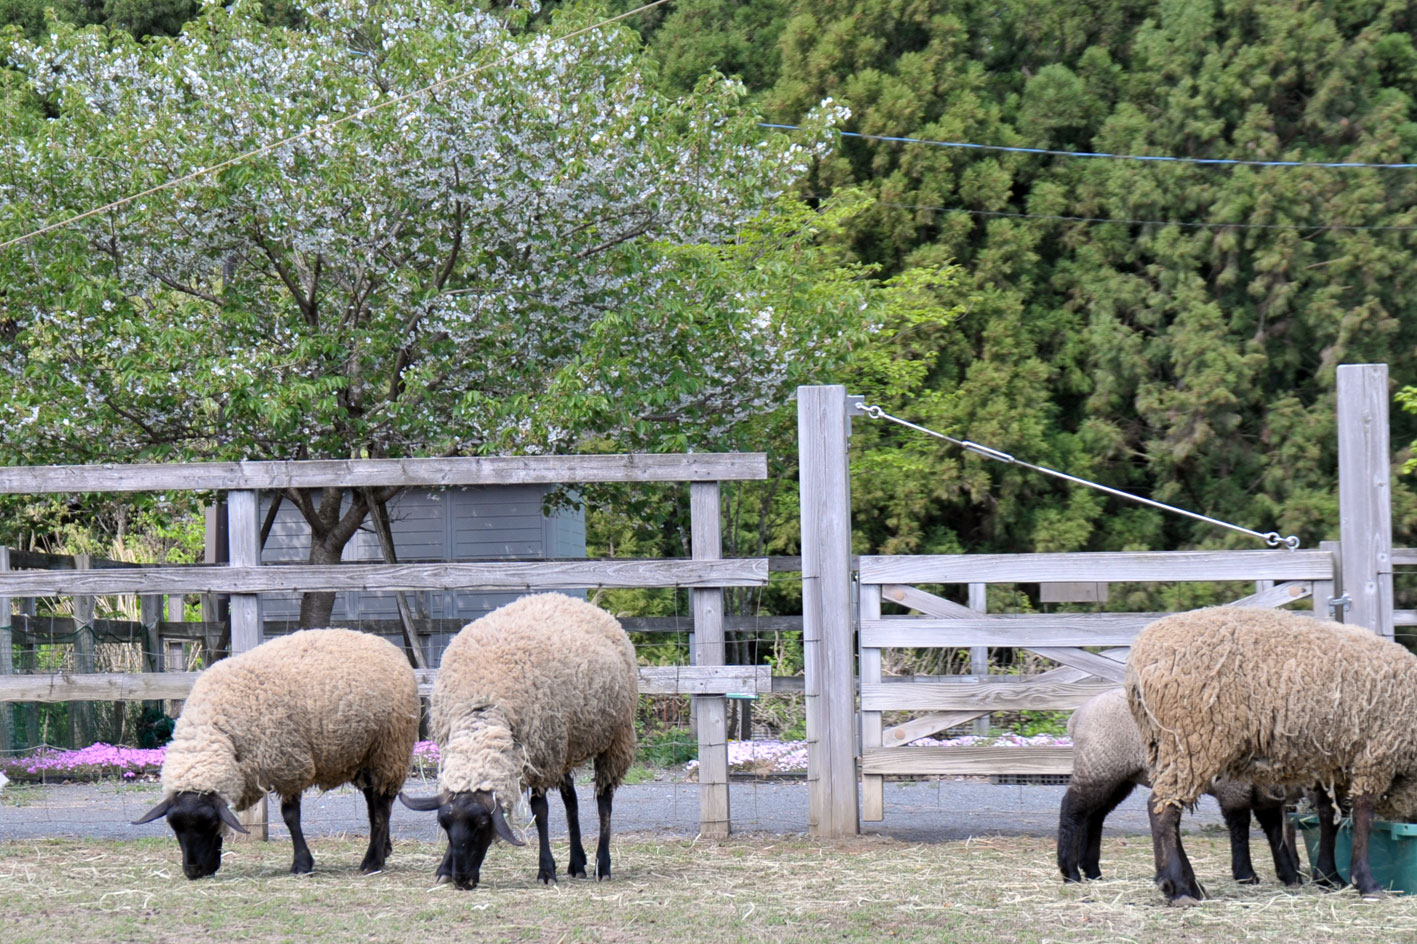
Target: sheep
316, 708
1273, 698
524, 695
1109, 761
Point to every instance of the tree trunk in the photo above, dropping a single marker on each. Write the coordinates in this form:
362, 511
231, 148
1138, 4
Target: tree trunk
331, 527
317, 605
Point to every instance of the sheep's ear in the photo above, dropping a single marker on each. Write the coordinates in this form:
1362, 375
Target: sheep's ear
422, 804
229, 818
499, 824
152, 814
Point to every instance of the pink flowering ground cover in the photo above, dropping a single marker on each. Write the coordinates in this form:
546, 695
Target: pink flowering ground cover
95, 762
101, 761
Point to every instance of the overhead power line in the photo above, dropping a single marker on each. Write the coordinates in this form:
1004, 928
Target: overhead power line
1220, 161
313, 129
1200, 224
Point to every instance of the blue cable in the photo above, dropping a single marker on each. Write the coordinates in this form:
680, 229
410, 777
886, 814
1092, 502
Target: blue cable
1102, 154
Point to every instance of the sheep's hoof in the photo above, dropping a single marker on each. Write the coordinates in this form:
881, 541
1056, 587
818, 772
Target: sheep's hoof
547, 878
302, 868
1376, 894
1251, 879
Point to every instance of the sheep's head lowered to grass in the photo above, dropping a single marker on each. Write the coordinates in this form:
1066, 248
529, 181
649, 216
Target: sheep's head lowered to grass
199, 820
470, 818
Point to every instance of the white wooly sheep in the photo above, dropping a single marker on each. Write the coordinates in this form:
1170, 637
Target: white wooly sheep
1109, 761
525, 695
1275, 698
320, 707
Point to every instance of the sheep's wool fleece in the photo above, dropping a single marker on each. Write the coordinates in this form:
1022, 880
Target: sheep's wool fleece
531, 691
320, 707
1107, 746
1275, 698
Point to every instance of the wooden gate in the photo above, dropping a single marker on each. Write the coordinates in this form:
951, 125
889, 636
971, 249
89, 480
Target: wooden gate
1068, 639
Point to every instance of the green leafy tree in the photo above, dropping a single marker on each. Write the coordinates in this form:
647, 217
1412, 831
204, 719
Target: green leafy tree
1187, 350
542, 254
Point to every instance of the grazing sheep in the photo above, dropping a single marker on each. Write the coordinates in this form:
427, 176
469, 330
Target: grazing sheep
320, 708
524, 695
1274, 698
1109, 761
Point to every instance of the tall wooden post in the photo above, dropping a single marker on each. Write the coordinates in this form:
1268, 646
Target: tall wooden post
1365, 495
81, 713
7, 660
243, 531
822, 432
711, 710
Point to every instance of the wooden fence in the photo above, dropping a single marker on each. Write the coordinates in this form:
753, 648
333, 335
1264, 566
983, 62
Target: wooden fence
1089, 649
708, 680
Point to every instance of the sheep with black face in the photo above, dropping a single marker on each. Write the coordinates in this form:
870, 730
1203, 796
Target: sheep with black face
525, 695
316, 708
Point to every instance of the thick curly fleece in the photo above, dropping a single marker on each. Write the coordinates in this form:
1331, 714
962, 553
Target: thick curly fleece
315, 708
1276, 698
531, 691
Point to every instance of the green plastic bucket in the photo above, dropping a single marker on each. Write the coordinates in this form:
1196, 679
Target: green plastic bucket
1392, 850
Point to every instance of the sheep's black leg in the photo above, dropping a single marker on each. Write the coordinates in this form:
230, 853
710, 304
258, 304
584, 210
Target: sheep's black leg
602, 848
380, 843
1174, 875
1080, 829
1286, 863
1325, 869
546, 868
1360, 873
576, 867
1092, 853
1237, 822
290, 812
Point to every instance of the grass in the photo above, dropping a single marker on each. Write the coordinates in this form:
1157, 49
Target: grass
751, 888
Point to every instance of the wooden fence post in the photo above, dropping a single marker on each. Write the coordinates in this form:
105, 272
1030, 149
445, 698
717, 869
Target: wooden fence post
979, 655
824, 474
7, 660
1365, 496
706, 542
81, 713
243, 531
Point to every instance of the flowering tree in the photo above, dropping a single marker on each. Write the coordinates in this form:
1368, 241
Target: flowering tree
539, 254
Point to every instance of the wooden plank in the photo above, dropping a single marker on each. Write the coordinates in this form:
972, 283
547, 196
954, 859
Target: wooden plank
1365, 495
979, 655
967, 761
1278, 595
930, 724
243, 530
706, 543
828, 648
1088, 591
1168, 566
1099, 666
992, 694
355, 473
81, 717
1025, 630
873, 799
177, 684
1404, 556
488, 575
1404, 617
244, 548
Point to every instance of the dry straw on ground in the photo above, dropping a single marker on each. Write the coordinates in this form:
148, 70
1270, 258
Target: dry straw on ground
750, 889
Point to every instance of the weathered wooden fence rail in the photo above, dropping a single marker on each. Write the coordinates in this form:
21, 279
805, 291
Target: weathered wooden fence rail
706, 574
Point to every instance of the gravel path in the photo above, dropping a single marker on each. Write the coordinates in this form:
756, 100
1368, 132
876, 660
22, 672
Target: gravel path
918, 812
